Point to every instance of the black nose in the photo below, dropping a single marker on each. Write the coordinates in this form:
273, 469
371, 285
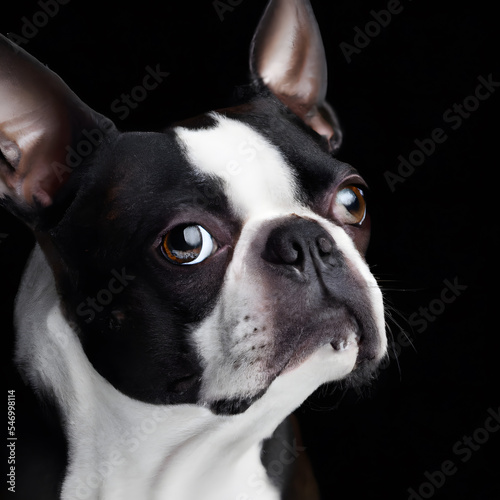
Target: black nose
301, 244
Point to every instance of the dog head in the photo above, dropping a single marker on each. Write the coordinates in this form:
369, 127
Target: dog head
200, 263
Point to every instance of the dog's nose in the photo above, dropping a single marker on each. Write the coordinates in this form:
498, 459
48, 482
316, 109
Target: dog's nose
299, 242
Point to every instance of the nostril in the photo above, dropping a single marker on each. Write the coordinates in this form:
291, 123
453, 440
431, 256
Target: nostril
325, 245
300, 244
295, 254
282, 251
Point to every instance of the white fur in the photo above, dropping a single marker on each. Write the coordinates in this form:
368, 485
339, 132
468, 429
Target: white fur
256, 178
261, 189
123, 449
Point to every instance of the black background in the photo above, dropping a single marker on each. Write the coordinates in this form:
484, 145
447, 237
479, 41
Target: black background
440, 224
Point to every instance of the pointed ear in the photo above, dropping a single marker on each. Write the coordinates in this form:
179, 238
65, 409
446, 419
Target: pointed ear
41, 119
288, 56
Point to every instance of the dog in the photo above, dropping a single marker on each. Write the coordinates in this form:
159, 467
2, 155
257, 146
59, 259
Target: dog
189, 288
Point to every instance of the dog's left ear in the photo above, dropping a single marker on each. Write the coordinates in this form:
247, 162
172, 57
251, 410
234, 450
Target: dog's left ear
40, 120
288, 56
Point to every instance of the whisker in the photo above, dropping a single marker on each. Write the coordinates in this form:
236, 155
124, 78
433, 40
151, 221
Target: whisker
396, 356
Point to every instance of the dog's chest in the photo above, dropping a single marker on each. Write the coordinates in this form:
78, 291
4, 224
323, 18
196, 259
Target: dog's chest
146, 460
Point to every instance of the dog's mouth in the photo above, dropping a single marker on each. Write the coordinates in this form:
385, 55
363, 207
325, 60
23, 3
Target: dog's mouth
237, 405
351, 332
353, 337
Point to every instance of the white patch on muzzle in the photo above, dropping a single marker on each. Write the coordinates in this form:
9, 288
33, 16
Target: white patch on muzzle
235, 340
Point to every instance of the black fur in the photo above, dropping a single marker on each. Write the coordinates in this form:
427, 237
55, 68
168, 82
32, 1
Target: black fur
108, 220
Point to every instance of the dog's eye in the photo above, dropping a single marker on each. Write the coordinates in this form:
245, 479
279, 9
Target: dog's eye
351, 205
188, 244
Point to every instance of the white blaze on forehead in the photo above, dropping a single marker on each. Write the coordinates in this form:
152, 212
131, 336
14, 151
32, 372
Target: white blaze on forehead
256, 175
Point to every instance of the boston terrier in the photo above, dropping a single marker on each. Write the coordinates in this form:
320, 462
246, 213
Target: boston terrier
189, 288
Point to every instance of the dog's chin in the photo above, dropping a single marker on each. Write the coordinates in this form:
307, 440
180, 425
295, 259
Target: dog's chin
359, 369
235, 406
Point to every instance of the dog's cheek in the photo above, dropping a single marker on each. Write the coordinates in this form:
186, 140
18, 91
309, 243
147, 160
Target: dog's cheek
235, 340
140, 340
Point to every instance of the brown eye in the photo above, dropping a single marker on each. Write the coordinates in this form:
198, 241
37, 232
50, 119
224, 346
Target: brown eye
188, 244
351, 205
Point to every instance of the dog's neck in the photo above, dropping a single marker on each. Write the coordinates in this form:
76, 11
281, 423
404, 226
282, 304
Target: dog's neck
123, 448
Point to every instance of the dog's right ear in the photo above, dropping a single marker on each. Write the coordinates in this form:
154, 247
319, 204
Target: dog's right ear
41, 120
288, 56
